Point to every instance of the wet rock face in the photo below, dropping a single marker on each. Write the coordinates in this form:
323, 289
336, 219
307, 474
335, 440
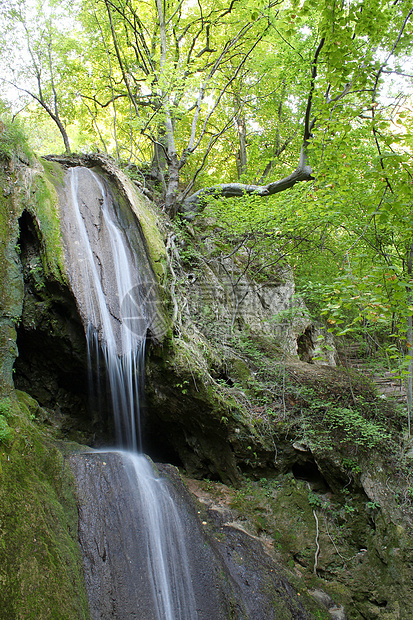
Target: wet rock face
182, 424
113, 535
231, 574
107, 260
52, 361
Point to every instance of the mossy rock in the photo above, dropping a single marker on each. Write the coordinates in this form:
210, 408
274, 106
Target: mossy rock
41, 572
360, 560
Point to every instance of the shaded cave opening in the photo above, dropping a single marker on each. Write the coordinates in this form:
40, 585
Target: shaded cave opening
52, 356
307, 470
305, 346
156, 441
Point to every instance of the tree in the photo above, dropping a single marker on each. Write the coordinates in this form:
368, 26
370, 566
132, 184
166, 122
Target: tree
179, 78
354, 33
38, 65
348, 233
173, 77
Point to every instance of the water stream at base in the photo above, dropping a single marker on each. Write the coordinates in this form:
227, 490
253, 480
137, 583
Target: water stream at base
169, 573
104, 269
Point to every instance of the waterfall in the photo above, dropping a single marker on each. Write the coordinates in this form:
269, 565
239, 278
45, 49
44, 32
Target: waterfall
108, 280
169, 568
104, 271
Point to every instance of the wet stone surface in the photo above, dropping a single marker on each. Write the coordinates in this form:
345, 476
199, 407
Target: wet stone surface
231, 575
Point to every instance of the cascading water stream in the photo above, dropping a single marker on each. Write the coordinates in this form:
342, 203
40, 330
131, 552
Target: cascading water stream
169, 568
104, 271
122, 348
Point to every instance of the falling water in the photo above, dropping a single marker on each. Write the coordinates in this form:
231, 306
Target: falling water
169, 574
104, 270
103, 275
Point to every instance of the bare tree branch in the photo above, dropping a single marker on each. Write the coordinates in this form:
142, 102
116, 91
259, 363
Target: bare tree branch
194, 203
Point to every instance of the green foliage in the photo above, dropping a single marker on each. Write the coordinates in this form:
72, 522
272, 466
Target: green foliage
352, 465
356, 426
192, 80
315, 500
13, 138
183, 387
372, 505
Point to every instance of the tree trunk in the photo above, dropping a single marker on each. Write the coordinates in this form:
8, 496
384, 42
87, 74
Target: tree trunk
171, 204
242, 148
171, 154
160, 148
65, 139
61, 127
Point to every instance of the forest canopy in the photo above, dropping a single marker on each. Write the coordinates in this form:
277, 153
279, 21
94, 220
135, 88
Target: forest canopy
291, 120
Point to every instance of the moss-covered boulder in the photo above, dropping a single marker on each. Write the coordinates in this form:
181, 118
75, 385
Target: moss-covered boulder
41, 570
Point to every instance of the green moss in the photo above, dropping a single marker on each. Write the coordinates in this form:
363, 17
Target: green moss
44, 205
54, 172
29, 407
6, 432
41, 575
149, 221
6, 407
35, 191
9, 270
11, 279
362, 564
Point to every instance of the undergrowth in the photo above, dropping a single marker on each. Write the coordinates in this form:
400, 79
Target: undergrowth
326, 408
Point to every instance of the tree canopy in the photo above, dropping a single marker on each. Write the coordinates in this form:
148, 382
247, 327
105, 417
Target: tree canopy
207, 91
